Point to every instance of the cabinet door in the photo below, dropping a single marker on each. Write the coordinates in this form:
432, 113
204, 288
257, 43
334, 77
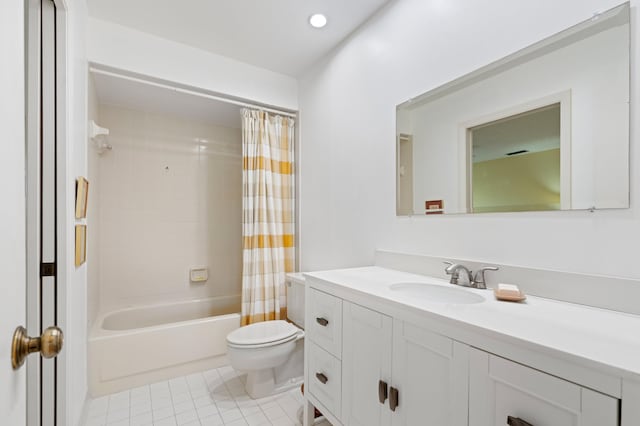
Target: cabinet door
499, 388
431, 374
366, 360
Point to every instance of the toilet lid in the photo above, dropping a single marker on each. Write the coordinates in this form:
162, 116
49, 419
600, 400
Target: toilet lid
262, 332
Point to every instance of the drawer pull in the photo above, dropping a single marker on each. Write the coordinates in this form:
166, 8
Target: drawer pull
322, 378
322, 321
394, 400
514, 421
382, 391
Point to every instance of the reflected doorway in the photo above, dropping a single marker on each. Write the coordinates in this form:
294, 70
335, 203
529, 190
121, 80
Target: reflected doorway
520, 160
404, 178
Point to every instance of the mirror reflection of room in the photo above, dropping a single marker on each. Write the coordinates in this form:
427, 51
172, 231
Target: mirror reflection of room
516, 162
549, 127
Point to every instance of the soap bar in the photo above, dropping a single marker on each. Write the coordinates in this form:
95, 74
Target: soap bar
509, 292
508, 289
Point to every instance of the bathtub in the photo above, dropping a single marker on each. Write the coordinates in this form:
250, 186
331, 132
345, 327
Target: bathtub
145, 344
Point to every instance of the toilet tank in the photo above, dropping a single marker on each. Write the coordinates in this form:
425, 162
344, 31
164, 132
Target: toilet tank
295, 298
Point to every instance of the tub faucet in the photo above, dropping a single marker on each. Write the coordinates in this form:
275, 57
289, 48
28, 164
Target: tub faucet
454, 270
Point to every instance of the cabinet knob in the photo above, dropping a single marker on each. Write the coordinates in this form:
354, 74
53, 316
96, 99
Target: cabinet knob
322, 378
515, 421
382, 391
322, 321
394, 400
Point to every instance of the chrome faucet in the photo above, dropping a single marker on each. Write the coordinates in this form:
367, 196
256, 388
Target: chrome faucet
454, 270
478, 279
475, 281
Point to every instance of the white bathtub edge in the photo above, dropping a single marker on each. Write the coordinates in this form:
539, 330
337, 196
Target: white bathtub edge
101, 388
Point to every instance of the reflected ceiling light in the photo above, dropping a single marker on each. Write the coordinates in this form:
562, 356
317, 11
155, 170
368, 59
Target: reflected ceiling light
318, 20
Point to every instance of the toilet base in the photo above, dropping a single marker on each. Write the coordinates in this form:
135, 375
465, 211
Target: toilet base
260, 383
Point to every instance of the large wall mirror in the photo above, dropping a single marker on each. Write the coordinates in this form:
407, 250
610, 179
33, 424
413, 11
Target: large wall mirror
546, 128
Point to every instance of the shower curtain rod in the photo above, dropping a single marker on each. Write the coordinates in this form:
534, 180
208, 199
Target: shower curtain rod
190, 92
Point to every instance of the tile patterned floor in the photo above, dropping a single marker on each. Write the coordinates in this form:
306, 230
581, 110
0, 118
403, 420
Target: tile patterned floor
213, 398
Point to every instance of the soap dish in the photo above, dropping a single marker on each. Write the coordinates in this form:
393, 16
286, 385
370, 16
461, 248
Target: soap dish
509, 297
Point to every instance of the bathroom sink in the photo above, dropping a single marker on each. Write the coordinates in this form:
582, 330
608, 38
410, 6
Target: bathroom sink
436, 293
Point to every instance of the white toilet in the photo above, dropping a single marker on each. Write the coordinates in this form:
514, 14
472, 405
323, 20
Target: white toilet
271, 352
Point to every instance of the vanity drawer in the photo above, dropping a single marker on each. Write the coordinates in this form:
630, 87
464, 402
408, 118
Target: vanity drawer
500, 389
324, 322
325, 378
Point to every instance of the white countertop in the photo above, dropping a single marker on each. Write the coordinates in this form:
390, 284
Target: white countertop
295, 277
592, 336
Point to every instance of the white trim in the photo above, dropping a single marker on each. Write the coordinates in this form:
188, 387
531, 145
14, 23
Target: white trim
194, 92
32, 94
465, 184
48, 179
62, 164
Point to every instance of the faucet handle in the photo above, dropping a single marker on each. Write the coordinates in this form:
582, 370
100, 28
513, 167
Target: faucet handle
446, 262
450, 270
479, 280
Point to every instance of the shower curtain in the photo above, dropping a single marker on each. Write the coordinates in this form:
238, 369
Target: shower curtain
268, 225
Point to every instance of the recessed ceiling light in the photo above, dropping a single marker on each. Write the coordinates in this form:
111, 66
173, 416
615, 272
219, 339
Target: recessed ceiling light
318, 20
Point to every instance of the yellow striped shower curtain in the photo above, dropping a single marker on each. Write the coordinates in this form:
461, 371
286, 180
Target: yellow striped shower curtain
268, 225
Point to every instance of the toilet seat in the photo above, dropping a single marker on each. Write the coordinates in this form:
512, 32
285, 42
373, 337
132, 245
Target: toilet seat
263, 334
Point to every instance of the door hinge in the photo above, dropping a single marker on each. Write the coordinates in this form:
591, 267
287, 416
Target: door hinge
48, 269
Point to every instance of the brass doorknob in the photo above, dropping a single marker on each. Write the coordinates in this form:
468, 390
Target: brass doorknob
49, 345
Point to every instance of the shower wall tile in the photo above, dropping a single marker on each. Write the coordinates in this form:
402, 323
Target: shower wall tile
170, 199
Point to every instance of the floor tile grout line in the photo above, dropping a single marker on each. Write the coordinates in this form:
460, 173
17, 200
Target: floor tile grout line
231, 387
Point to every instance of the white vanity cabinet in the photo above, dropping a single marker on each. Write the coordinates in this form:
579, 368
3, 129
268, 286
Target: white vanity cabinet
375, 361
499, 389
323, 352
366, 366
392, 372
430, 372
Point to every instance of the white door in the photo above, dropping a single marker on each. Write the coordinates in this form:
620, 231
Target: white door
366, 366
430, 372
12, 208
27, 218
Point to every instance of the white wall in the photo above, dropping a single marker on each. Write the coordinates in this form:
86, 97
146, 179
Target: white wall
134, 51
170, 199
347, 105
75, 279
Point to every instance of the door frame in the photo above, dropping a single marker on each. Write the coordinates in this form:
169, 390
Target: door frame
32, 95
465, 155
403, 138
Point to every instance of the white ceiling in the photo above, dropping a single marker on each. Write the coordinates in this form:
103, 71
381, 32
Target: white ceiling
533, 131
272, 34
143, 97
